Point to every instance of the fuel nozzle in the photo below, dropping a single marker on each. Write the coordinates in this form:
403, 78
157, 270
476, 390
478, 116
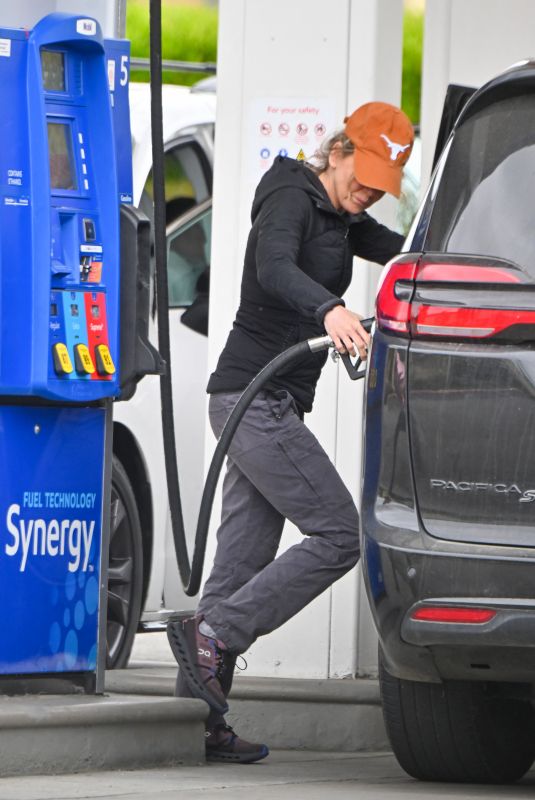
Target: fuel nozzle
324, 342
320, 343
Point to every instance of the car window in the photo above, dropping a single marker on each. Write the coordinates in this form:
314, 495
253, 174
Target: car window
188, 258
186, 180
187, 186
409, 200
484, 204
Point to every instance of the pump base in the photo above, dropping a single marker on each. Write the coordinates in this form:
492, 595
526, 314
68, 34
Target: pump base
51, 735
66, 683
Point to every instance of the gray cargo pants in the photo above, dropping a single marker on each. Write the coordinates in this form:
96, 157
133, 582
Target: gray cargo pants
276, 470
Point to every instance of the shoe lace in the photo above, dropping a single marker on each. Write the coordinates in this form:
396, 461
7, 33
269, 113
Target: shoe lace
242, 669
226, 729
219, 659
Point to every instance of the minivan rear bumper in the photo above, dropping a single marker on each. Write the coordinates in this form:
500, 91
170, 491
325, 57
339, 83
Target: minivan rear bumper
401, 580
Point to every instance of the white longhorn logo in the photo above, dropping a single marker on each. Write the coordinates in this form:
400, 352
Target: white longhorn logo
395, 147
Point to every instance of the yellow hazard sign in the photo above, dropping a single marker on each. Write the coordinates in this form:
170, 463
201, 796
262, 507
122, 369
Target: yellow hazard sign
301, 156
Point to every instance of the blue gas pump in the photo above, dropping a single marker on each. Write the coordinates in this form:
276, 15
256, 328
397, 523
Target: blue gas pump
65, 167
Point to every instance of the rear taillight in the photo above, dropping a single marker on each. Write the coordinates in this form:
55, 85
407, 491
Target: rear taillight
394, 295
466, 323
454, 614
471, 298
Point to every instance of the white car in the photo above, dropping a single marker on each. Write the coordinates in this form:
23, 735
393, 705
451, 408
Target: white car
144, 586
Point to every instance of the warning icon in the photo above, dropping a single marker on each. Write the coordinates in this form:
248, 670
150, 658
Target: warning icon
301, 156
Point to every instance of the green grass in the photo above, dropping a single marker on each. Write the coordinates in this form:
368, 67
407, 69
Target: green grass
189, 33
413, 25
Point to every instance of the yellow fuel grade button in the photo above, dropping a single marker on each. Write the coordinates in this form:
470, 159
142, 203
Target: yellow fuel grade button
83, 360
62, 359
105, 365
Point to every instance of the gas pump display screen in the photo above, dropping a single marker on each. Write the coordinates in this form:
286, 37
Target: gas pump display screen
60, 155
53, 68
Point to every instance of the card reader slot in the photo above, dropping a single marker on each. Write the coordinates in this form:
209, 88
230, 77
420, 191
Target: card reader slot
66, 250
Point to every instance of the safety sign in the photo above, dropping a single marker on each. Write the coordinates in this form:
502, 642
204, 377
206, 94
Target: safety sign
288, 126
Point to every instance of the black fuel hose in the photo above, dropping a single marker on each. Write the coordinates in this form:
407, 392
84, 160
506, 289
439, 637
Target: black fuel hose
162, 291
285, 358
292, 354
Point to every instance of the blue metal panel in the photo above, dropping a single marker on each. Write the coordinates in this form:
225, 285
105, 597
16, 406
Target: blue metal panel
15, 219
118, 64
50, 529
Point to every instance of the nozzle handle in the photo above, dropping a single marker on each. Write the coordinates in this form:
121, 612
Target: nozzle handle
353, 370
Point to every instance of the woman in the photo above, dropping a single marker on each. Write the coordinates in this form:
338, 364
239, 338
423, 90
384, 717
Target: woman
307, 224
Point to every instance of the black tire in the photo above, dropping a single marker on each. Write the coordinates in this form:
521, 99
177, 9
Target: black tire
458, 731
125, 570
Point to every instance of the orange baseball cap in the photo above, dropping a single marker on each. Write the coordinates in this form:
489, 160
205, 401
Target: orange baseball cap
383, 136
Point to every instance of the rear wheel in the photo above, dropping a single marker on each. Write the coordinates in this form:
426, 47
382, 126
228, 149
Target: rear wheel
125, 570
458, 731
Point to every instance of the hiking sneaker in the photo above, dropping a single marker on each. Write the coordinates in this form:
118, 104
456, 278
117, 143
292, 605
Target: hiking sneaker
222, 744
200, 659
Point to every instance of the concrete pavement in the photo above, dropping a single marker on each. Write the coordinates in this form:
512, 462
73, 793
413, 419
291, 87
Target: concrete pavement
139, 724
289, 775
284, 775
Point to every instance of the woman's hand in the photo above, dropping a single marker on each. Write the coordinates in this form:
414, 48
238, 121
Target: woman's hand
344, 328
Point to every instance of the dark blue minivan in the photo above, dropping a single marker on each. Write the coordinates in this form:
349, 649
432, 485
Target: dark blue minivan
448, 505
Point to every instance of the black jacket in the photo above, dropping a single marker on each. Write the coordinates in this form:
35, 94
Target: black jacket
298, 264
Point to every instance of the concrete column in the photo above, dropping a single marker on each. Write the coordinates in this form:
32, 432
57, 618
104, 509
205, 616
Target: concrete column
435, 76
468, 43
374, 73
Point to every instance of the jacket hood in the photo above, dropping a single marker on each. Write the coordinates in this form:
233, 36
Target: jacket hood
287, 172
